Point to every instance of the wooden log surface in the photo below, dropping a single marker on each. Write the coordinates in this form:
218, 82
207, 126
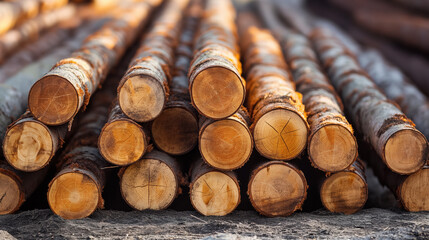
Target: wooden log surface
58, 96
153, 182
277, 188
213, 192
143, 91
279, 124
215, 83
179, 116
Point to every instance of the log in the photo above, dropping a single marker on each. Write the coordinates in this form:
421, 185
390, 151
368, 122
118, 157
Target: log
13, 93
143, 91
380, 122
30, 30
58, 96
16, 187
420, 5
215, 83
151, 183
226, 144
345, 191
179, 116
122, 141
29, 145
213, 192
277, 188
75, 191
279, 124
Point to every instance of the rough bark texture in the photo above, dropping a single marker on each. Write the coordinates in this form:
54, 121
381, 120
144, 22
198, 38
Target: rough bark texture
179, 116
275, 107
14, 91
58, 96
31, 29
143, 91
215, 84
380, 121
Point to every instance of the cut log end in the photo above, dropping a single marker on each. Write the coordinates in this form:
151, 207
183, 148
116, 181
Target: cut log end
142, 98
28, 146
10, 194
226, 144
73, 195
280, 134
53, 100
149, 184
344, 192
277, 189
332, 148
217, 92
414, 191
122, 142
175, 131
406, 151
215, 194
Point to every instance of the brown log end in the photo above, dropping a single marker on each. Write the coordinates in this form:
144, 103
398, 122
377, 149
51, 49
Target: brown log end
29, 146
406, 151
277, 189
53, 100
414, 191
217, 92
74, 195
332, 148
280, 134
215, 193
149, 184
142, 98
225, 144
344, 192
175, 131
11, 194
122, 142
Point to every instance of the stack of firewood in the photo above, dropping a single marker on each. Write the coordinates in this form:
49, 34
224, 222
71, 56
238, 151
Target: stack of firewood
188, 89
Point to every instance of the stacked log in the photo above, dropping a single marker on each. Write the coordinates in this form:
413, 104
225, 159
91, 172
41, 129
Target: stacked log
143, 91
380, 122
215, 84
179, 116
58, 96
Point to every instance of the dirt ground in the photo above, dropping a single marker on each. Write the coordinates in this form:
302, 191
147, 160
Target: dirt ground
106, 224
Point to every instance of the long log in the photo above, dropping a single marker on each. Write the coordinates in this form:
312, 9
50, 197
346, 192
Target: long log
213, 192
179, 116
215, 83
58, 96
380, 122
279, 124
226, 144
143, 91
151, 183
14, 91
277, 188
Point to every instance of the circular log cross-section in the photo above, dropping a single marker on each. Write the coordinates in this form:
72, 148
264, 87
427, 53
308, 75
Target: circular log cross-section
277, 189
142, 97
406, 151
215, 193
217, 92
332, 148
175, 131
11, 194
122, 142
280, 134
74, 195
344, 192
226, 144
29, 145
414, 191
149, 184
